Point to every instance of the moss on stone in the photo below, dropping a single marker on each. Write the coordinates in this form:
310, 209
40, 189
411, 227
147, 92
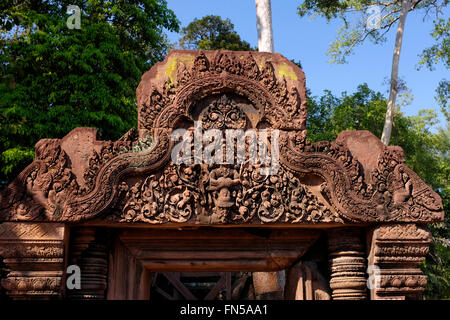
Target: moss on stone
285, 70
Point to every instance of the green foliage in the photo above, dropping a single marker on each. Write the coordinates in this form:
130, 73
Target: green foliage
437, 264
442, 97
437, 270
440, 51
53, 79
212, 33
427, 153
329, 115
328, 8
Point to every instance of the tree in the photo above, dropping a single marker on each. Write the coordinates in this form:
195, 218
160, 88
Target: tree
264, 25
387, 13
212, 33
426, 151
387, 129
53, 79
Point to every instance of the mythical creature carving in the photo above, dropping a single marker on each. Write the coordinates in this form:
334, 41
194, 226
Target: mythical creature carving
220, 194
323, 182
391, 192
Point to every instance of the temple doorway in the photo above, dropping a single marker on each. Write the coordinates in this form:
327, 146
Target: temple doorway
201, 286
232, 264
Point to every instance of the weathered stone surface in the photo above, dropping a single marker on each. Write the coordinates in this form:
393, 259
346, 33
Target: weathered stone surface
396, 251
347, 264
269, 285
274, 85
34, 253
355, 180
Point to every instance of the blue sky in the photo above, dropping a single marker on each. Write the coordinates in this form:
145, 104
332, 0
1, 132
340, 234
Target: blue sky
308, 40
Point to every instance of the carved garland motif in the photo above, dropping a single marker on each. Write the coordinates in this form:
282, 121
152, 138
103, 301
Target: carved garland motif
30, 250
282, 105
32, 285
223, 114
49, 190
398, 250
220, 194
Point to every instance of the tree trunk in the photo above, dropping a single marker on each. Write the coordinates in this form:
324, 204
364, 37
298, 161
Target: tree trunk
264, 25
386, 136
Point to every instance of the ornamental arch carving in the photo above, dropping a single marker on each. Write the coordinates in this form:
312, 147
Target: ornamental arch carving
82, 183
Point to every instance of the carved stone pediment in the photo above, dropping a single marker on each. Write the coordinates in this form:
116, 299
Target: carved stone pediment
134, 180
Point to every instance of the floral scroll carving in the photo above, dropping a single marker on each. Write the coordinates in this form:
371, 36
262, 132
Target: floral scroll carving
220, 194
132, 180
389, 192
283, 106
223, 114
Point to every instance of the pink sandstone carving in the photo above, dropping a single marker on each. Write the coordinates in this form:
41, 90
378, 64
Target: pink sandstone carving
355, 180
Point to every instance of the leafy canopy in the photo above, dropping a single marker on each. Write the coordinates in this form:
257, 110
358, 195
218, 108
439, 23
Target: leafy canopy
439, 53
212, 33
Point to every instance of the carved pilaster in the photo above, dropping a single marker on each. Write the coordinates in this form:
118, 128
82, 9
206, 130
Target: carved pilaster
88, 250
398, 250
347, 263
34, 256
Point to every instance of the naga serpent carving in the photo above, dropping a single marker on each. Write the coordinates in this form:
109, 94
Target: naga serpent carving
134, 180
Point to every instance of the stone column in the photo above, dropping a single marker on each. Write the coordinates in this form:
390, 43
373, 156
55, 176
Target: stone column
34, 256
88, 250
396, 251
347, 264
